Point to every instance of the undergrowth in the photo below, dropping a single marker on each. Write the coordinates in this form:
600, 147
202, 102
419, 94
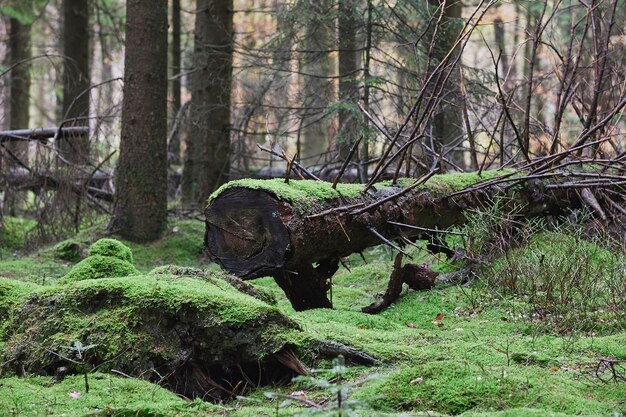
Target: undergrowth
554, 276
525, 338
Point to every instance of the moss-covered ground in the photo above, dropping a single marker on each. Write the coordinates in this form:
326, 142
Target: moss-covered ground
455, 350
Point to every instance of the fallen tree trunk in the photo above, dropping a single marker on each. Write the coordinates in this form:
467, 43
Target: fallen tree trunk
298, 231
95, 184
42, 134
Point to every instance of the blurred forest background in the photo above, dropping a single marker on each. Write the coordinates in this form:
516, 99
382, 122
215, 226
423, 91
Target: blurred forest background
215, 90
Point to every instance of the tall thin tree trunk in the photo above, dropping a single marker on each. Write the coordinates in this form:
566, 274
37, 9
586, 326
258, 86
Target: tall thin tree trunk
140, 206
317, 88
447, 123
19, 49
282, 59
367, 57
19, 45
76, 77
348, 71
207, 160
174, 145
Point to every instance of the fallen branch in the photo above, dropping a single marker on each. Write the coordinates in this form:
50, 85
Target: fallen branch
42, 134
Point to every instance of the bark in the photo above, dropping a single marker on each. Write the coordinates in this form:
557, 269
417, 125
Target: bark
348, 70
20, 75
207, 159
447, 122
317, 88
76, 77
174, 143
253, 230
140, 207
19, 45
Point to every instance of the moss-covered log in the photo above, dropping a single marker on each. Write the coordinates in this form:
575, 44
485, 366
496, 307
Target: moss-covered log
298, 231
189, 330
197, 332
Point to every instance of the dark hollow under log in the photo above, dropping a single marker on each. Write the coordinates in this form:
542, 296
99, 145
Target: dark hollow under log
297, 232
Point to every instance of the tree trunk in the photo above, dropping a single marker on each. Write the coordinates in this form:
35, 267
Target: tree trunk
19, 49
140, 207
174, 144
258, 228
348, 71
207, 159
317, 88
447, 122
76, 77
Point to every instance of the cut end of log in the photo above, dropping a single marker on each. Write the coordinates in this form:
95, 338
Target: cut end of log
246, 233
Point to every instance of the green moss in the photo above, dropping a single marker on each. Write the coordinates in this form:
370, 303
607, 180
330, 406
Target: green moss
13, 233
488, 358
181, 244
144, 322
68, 250
452, 387
297, 191
13, 293
447, 183
216, 277
530, 359
98, 266
305, 193
35, 268
112, 247
108, 396
519, 412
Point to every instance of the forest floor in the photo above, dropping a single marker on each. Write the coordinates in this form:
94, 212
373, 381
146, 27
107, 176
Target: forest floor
492, 348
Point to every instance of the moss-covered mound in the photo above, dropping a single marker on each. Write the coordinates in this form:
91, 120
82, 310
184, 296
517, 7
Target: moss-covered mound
112, 247
214, 277
13, 294
67, 250
98, 266
192, 334
108, 258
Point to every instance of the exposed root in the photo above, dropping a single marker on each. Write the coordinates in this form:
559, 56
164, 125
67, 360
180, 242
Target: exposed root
417, 277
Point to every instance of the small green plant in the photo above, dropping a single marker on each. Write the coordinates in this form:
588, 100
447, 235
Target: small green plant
79, 359
335, 400
497, 228
567, 283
